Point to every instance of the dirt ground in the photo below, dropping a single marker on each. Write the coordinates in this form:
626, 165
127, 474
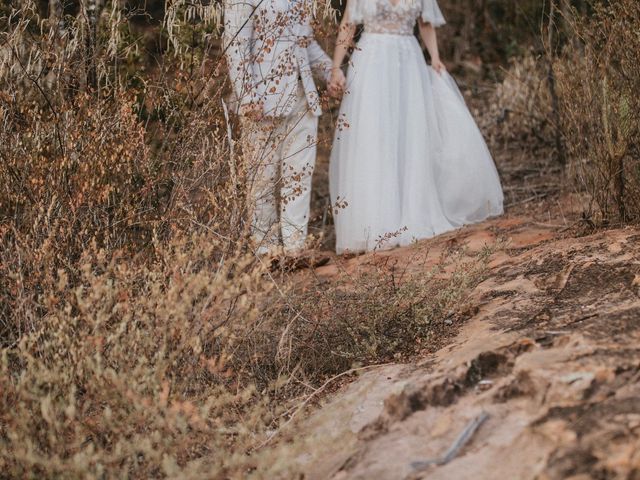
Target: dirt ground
547, 361
551, 355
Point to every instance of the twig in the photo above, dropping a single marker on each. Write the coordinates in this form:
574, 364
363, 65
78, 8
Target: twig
563, 279
455, 448
548, 225
47, 100
529, 200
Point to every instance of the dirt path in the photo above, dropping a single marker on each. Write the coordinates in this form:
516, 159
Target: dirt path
552, 355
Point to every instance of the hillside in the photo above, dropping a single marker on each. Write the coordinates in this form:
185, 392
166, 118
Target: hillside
547, 348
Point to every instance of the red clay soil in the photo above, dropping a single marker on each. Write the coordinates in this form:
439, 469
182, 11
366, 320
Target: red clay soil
551, 354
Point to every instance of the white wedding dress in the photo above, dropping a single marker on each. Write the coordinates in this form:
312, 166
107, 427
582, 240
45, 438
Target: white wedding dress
408, 161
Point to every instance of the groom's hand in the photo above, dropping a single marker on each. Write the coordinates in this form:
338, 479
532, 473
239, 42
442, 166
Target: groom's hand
337, 82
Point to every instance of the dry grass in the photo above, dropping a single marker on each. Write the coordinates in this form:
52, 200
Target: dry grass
599, 78
179, 367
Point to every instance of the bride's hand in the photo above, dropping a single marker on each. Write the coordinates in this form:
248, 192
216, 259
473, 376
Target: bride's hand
438, 66
337, 82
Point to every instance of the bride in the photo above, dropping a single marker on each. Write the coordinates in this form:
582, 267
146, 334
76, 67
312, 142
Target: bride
408, 161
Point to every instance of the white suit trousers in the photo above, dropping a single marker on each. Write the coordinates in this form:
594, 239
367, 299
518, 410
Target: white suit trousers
282, 157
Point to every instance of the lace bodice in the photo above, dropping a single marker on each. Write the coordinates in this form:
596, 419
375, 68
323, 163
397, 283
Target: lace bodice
398, 18
394, 16
387, 17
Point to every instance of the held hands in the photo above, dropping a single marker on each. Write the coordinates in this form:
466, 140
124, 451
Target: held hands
337, 82
438, 66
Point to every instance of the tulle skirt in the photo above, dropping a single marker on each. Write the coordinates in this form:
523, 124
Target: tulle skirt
408, 160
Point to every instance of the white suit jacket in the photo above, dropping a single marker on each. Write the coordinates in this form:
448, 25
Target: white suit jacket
270, 48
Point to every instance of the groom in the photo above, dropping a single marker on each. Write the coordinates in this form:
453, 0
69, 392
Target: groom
271, 53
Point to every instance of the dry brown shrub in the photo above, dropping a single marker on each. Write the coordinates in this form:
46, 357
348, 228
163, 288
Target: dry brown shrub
124, 375
599, 79
181, 366
517, 113
380, 313
483, 33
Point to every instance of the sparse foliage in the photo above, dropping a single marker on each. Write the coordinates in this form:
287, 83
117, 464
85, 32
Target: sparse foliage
599, 80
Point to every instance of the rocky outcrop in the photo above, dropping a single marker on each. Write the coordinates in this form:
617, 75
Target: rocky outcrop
551, 356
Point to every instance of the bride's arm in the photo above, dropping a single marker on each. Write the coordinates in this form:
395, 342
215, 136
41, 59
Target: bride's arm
337, 81
430, 39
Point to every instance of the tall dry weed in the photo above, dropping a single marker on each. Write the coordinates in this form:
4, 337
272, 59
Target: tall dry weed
517, 113
599, 79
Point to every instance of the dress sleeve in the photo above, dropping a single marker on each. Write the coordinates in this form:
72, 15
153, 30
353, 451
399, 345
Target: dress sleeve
431, 13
